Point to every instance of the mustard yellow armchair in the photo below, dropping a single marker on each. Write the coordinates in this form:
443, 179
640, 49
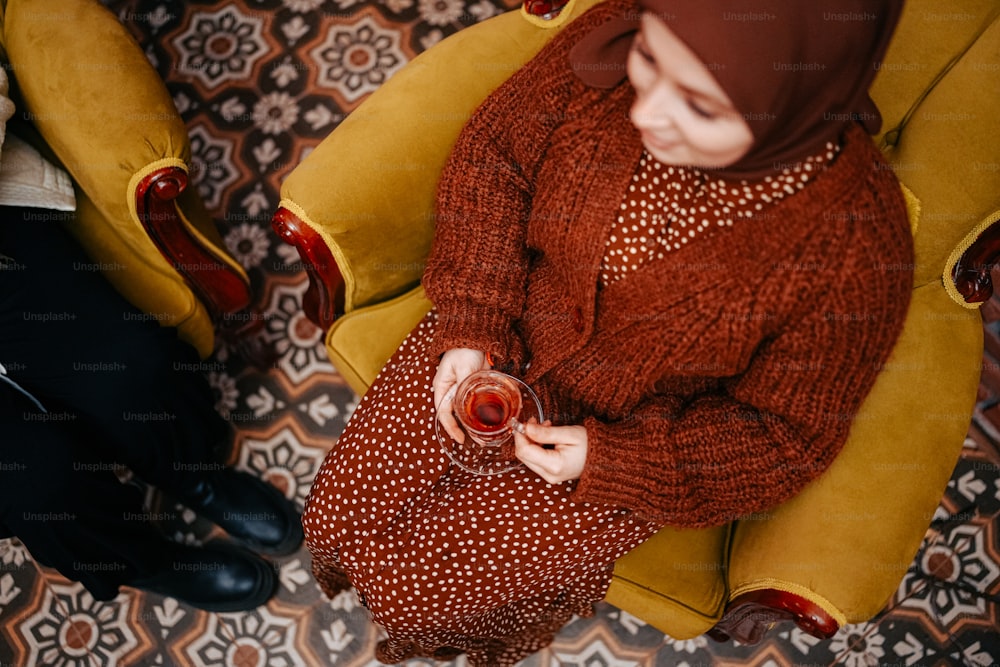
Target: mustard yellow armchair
87, 97
360, 211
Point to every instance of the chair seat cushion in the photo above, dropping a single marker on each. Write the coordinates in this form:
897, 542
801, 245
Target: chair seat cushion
361, 342
675, 581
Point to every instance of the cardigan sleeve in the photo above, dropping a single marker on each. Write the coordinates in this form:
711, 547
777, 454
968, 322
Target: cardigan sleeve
478, 265
760, 438
477, 270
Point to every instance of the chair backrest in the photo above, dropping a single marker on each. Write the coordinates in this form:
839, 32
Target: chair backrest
937, 134
848, 538
384, 159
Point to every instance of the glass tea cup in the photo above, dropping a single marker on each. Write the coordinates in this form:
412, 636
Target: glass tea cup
486, 405
485, 402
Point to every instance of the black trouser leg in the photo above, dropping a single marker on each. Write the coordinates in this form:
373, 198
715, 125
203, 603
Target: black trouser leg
75, 343
118, 389
66, 504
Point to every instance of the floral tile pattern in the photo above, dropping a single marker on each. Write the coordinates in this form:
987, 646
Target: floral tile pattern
220, 46
66, 626
259, 83
355, 59
261, 637
283, 461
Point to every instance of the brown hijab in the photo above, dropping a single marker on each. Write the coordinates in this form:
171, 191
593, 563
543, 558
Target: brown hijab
797, 70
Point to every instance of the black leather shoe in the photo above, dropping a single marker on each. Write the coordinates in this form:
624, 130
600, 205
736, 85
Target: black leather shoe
253, 512
214, 577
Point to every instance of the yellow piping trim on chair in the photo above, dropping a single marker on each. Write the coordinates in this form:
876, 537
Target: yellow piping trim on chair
338, 256
133, 185
912, 208
956, 254
795, 589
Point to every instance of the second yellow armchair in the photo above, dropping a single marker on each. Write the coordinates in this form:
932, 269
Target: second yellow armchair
90, 101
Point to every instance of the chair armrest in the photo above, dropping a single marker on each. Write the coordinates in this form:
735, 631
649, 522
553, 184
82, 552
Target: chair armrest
104, 113
847, 540
369, 187
323, 301
972, 271
88, 89
213, 279
165, 208
749, 616
546, 9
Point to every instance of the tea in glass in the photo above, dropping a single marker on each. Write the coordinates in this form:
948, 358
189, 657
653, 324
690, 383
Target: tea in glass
485, 403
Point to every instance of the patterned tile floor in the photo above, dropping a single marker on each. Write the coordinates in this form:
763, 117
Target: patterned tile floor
260, 82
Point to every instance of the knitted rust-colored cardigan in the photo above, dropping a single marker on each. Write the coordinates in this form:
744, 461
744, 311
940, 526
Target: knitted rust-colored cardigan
715, 382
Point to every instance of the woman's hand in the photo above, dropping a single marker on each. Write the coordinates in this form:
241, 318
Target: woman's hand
564, 462
456, 365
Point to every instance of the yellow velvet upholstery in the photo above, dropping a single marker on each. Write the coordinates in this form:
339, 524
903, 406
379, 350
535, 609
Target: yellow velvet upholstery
368, 187
356, 353
852, 535
949, 151
675, 581
847, 540
105, 115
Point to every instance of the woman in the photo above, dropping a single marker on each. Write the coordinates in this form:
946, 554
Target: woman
686, 267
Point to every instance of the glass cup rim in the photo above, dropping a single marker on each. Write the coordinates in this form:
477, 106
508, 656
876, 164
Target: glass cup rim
509, 382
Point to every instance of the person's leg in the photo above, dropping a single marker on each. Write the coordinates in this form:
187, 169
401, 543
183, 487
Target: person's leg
82, 349
66, 505
69, 509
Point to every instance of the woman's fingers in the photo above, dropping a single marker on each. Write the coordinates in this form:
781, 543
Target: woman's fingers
447, 417
564, 461
456, 365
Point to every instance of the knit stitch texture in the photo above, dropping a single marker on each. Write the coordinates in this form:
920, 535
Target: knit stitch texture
715, 381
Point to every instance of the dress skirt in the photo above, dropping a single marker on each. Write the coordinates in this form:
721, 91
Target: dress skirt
446, 561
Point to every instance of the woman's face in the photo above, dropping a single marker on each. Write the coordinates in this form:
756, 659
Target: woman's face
684, 116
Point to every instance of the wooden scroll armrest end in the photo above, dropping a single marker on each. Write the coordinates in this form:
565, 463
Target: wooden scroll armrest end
547, 9
324, 299
972, 270
223, 291
216, 284
749, 616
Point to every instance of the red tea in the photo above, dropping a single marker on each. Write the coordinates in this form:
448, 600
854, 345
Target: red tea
487, 409
487, 400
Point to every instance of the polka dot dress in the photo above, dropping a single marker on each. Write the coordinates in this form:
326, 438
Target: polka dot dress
667, 207
448, 562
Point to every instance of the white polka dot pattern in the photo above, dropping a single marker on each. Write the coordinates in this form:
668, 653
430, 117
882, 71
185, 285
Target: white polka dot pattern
667, 207
493, 565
